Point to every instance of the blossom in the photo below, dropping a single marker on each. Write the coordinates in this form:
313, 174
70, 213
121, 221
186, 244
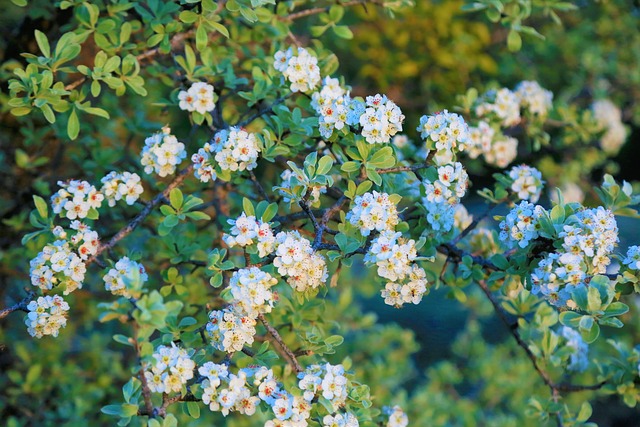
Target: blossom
234, 149
397, 417
301, 70
381, 119
503, 151
450, 186
632, 259
527, 182
580, 350
46, 316
313, 192
119, 280
609, 118
162, 153
373, 211
250, 288
199, 97
75, 198
521, 224
171, 369
447, 130
247, 231
296, 259
340, 420
121, 186
534, 97
230, 329
503, 104
326, 380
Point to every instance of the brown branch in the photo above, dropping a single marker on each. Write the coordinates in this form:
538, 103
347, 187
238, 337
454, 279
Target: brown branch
135, 222
293, 361
317, 10
20, 306
146, 391
259, 186
411, 168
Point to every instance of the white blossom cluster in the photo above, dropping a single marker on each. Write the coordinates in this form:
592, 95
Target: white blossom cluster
521, 224
75, 198
171, 369
313, 192
527, 182
251, 290
121, 186
503, 104
450, 186
461, 217
247, 230
296, 259
381, 119
117, 279
62, 262
448, 130
373, 211
534, 97
589, 237
226, 392
609, 117
235, 150
301, 70
346, 419
46, 316
199, 98
497, 150
440, 216
632, 260
394, 257
335, 108
579, 360
230, 329
328, 381
162, 153
397, 417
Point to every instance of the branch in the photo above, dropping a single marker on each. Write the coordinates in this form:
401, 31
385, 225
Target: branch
20, 306
293, 361
135, 222
317, 10
411, 168
259, 186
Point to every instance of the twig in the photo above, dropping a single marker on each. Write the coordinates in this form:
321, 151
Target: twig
20, 306
259, 186
135, 222
317, 10
146, 391
293, 361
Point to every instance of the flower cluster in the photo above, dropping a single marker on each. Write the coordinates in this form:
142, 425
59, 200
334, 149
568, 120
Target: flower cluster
296, 259
397, 417
521, 225
251, 290
75, 198
313, 192
503, 104
171, 369
230, 329
527, 182
335, 108
327, 381
121, 186
162, 153
340, 420
534, 97
302, 70
235, 150
199, 98
46, 316
609, 118
450, 186
381, 119
588, 238
439, 215
373, 211
579, 359
447, 130
394, 257
632, 260
247, 230
120, 280
498, 150
59, 265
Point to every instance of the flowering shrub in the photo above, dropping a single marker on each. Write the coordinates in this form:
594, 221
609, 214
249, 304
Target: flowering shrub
237, 279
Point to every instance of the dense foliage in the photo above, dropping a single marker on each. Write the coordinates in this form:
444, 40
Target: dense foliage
200, 203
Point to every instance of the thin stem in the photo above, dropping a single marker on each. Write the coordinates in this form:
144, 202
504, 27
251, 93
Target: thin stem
20, 306
317, 10
259, 186
293, 361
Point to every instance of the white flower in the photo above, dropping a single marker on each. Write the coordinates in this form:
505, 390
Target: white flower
230, 329
121, 186
450, 186
527, 182
381, 119
199, 97
75, 199
609, 118
448, 130
119, 280
172, 368
162, 153
296, 259
632, 260
534, 97
579, 360
301, 70
397, 417
46, 316
503, 104
521, 224
373, 211
251, 289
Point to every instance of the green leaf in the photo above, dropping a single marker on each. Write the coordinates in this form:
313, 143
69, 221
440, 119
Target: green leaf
324, 165
514, 41
176, 198
193, 409
343, 32
73, 126
350, 166
43, 43
201, 38
41, 206
270, 212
